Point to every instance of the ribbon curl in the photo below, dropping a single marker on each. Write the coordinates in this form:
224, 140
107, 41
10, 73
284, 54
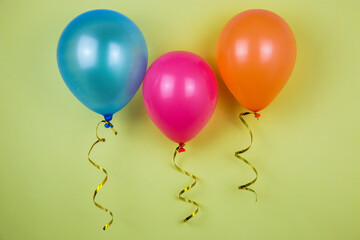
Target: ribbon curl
181, 149
237, 154
101, 169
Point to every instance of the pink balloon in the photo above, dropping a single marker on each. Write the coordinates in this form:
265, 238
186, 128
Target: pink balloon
180, 94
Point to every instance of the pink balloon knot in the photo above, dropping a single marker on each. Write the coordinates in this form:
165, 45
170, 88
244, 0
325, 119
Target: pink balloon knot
181, 149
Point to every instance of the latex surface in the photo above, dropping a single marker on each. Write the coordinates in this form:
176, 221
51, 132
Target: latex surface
256, 54
180, 94
102, 57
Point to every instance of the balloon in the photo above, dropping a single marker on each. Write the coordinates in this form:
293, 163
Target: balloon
180, 94
256, 53
102, 57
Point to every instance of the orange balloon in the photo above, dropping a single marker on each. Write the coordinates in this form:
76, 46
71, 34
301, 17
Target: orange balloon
256, 53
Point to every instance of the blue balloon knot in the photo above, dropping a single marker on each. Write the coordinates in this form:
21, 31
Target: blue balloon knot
108, 117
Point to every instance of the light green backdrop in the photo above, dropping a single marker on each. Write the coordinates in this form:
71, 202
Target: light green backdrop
306, 143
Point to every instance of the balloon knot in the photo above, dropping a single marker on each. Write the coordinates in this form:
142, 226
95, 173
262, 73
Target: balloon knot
181, 149
102, 139
108, 118
257, 115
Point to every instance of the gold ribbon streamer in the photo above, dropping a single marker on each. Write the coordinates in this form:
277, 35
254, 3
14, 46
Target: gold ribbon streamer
181, 147
103, 170
237, 154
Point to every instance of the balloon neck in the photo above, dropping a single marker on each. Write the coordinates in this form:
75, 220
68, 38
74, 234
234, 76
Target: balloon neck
181, 149
108, 118
256, 115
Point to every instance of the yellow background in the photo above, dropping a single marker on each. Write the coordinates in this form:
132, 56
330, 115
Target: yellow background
306, 143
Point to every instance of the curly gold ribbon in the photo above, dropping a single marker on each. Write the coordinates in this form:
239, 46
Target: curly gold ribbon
180, 149
237, 154
101, 169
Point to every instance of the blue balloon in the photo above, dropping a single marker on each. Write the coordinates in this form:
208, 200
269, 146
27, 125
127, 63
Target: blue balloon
102, 57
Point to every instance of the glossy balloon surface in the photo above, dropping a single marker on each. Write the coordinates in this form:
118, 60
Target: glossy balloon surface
256, 54
180, 94
102, 57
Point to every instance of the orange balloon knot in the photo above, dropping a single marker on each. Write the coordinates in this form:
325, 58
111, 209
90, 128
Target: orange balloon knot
181, 149
257, 115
